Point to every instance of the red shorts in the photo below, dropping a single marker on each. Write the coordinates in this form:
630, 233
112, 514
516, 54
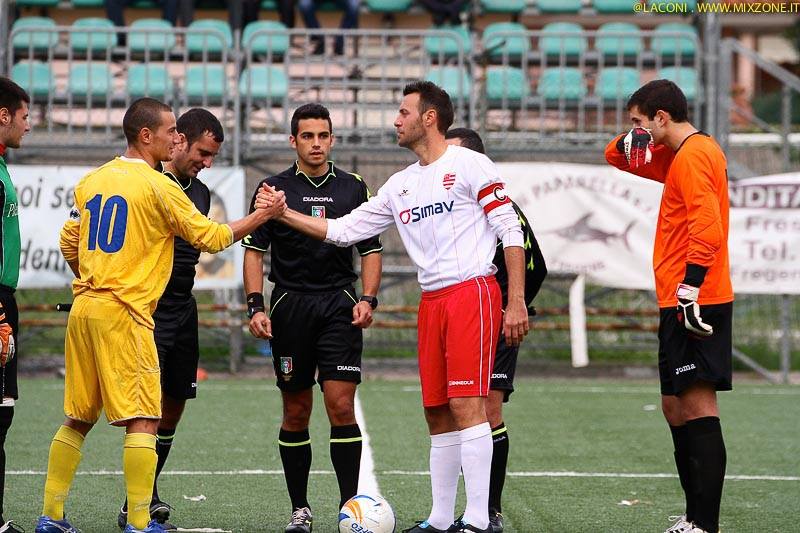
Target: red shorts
457, 328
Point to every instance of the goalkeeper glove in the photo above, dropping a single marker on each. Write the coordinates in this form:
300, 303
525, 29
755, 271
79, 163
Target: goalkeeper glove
7, 347
637, 145
689, 310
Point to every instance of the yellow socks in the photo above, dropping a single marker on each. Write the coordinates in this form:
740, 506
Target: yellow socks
139, 465
65, 454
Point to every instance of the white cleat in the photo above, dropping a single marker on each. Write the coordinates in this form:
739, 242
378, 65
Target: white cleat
681, 525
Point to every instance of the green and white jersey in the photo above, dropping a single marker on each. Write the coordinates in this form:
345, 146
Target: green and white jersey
9, 230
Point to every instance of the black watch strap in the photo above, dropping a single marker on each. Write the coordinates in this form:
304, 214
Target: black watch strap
371, 300
255, 304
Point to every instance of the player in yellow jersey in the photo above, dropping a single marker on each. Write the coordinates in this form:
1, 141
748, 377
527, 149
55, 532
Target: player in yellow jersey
119, 243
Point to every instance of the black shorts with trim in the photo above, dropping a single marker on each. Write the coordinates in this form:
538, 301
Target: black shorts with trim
505, 365
312, 336
9, 373
176, 336
684, 358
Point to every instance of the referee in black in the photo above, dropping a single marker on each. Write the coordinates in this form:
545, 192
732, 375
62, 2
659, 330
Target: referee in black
315, 315
175, 333
505, 361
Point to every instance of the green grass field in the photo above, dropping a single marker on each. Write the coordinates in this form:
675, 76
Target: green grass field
578, 449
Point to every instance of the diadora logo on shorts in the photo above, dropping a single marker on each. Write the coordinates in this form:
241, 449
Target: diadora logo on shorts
317, 199
499, 376
349, 368
417, 213
684, 368
458, 382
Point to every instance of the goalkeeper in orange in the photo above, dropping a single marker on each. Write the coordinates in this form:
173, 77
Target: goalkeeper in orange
118, 242
693, 286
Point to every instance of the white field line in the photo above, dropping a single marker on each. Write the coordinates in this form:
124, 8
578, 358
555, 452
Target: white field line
367, 482
562, 474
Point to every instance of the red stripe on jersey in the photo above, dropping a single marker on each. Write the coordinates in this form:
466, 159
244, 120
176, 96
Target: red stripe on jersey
489, 189
495, 203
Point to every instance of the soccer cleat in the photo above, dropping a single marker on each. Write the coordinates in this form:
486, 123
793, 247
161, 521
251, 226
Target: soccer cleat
122, 517
302, 521
495, 521
681, 525
425, 527
159, 511
468, 528
152, 527
11, 527
45, 524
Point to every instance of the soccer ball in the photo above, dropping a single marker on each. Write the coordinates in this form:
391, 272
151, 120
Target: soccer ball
366, 514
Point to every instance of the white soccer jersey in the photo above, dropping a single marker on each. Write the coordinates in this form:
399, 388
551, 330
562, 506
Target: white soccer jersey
449, 213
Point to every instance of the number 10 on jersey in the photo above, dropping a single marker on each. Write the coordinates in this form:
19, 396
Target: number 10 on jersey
107, 223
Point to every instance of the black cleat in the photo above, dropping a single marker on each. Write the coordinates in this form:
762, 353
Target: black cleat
425, 527
302, 521
468, 528
495, 521
11, 527
159, 511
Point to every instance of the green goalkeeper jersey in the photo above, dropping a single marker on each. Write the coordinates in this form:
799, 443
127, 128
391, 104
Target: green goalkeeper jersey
9, 230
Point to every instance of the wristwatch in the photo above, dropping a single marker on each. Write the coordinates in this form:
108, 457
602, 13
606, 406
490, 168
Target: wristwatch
371, 300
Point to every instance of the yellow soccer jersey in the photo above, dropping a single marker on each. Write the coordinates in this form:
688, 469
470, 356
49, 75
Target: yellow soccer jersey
122, 230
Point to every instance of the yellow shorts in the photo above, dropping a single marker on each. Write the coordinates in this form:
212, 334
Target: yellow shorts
111, 362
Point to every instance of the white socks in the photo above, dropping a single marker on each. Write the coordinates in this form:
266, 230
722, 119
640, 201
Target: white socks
476, 462
445, 466
470, 451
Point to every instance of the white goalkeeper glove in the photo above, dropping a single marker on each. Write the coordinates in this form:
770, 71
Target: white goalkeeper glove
689, 310
637, 145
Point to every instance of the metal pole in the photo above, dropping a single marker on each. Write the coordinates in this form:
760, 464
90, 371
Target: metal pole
723, 103
714, 92
236, 341
786, 337
786, 126
4, 33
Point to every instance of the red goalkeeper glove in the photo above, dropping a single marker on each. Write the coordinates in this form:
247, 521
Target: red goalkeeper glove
637, 145
7, 348
689, 310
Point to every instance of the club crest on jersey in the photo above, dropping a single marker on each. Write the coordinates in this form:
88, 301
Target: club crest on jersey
449, 180
286, 367
318, 211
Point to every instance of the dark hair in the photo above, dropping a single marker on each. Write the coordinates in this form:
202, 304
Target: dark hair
310, 111
143, 113
431, 96
663, 95
469, 138
12, 95
196, 122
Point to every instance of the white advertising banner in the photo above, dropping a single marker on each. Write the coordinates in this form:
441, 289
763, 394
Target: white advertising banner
599, 221
45, 195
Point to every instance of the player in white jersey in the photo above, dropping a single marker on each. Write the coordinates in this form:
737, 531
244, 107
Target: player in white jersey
450, 208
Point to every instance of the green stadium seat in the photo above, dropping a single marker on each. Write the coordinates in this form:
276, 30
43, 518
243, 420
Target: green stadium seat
558, 83
264, 82
38, 40
617, 83
207, 81
562, 37
278, 43
388, 6
198, 42
88, 3
149, 80
454, 80
615, 6
155, 41
630, 44
37, 3
559, 6
90, 80
674, 45
145, 4
271, 5
85, 37
446, 46
503, 6
684, 77
35, 77
506, 83
511, 45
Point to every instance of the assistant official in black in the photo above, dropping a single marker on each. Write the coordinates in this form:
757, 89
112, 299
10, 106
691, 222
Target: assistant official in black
315, 316
175, 317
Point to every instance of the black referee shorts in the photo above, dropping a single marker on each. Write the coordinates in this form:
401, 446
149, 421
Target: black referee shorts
505, 364
312, 336
9, 373
684, 358
178, 346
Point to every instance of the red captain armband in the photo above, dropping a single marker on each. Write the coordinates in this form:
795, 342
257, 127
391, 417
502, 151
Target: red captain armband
493, 196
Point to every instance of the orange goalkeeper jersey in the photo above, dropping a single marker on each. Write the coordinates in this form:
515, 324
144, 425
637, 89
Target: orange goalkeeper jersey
693, 217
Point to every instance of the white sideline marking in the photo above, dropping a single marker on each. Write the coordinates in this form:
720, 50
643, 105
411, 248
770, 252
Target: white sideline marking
619, 475
367, 482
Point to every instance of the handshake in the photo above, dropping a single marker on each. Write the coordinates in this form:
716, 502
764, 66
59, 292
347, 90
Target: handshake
272, 201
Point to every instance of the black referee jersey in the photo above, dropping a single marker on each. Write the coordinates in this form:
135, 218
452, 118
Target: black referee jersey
186, 256
300, 263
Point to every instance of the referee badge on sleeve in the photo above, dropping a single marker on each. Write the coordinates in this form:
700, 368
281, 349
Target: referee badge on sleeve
318, 211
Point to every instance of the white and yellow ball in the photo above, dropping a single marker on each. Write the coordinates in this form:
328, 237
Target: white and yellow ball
365, 513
